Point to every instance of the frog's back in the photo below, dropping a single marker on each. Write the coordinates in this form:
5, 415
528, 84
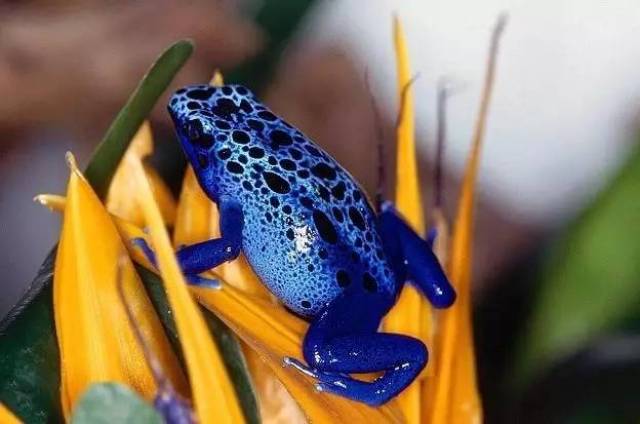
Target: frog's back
310, 232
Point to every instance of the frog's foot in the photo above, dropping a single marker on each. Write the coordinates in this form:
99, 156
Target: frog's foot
196, 280
323, 377
193, 279
299, 366
142, 244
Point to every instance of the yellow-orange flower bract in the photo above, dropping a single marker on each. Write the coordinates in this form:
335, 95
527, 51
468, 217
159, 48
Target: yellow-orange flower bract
95, 340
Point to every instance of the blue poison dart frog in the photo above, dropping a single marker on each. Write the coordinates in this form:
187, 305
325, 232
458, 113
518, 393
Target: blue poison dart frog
310, 234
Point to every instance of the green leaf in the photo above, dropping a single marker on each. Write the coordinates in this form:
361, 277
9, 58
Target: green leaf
107, 155
109, 403
29, 362
591, 282
225, 339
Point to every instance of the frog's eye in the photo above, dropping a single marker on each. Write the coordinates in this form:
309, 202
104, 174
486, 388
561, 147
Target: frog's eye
197, 134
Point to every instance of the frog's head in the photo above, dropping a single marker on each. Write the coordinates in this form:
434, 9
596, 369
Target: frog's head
190, 108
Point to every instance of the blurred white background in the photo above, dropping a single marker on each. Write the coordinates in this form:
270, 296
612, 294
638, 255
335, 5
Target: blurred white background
567, 99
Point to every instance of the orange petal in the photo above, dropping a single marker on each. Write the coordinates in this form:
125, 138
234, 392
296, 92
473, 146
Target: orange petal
212, 391
412, 314
453, 397
122, 188
95, 340
7, 417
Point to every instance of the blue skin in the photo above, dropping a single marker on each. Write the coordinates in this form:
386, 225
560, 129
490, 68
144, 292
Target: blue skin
309, 233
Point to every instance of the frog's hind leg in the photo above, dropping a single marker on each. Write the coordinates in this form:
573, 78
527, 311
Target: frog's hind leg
412, 258
343, 339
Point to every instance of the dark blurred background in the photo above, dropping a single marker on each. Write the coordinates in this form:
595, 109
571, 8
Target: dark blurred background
557, 248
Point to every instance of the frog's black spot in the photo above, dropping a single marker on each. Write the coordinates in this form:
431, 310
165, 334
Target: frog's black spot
255, 125
267, 116
323, 192
203, 160
258, 167
272, 160
369, 236
358, 242
311, 268
356, 218
290, 234
369, 283
223, 125
280, 138
240, 137
174, 101
194, 129
224, 154
323, 254
303, 189
338, 190
288, 164
305, 304
299, 139
264, 190
235, 167
256, 152
225, 107
247, 185
322, 170
356, 195
196, 134
268, 216
343, 279
193, 105
227, 91
243, 159
258, 183
276, 183
221, 137
306, 202
286, 209
199, 94
242, 91
303, 173
245, 106
295, 153
337, 213
325, 227
313, 151
181, 91
274, 201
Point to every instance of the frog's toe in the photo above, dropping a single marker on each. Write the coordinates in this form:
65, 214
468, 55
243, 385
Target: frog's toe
288, 361
146, 250
196, 280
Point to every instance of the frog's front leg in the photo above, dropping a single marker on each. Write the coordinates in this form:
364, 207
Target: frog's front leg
200, 257
343, 339
413, 257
